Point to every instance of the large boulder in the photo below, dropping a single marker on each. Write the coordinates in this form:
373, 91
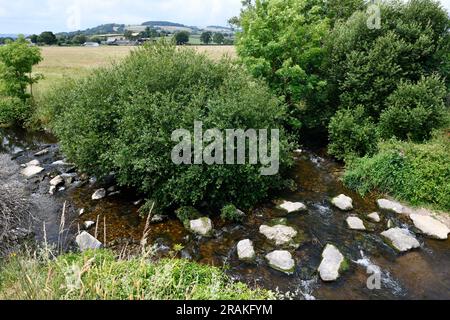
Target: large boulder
292, 207
99, 194
282, 261
430, 227
31, 171
401, 239
246, 251
87, 242
355, 223
389, 205
202, 226
280, 234
343, 202
332, 263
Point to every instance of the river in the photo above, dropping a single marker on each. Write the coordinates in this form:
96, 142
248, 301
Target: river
419, 274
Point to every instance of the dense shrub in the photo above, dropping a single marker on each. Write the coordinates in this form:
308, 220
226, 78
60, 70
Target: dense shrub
418, 173
352, 133
98, 275
121, 119
414, 110
231, 213
13, 109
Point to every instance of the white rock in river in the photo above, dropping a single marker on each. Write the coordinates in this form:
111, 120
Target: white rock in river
52, 190
343, 202
89, 224
375, 217
279, 233
56, 181
292, 207
32, 163
87, 242
282, 261
355, 223
430, 227
389, 205
202, 226
331, 263
401, 239
31, 171
99, 194
245, 250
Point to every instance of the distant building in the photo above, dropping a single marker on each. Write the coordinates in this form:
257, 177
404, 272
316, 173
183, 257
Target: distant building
91, 44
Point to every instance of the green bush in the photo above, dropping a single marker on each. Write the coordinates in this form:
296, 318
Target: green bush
352, 133
14, 110
417, 173
185, 214
414, 110
98, 275
121, 119
231, 213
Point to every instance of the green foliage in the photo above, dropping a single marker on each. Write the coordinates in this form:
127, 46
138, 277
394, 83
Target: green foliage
187, 213
13, 109
126, 126
98, 275
414, 110
181, 37
352, 133
47, 37
206, 37
17, 59
417, 173
231, 213
218, 38
282, 41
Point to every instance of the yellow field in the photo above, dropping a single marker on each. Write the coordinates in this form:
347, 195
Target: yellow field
60, 62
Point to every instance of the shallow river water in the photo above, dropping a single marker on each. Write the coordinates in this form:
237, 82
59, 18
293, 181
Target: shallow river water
420, 274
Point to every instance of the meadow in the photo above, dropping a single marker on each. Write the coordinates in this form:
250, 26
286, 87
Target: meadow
76, 62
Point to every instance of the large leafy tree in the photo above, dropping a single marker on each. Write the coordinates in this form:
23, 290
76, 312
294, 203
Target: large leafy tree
281, 41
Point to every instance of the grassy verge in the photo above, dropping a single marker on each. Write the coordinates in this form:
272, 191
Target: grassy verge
100, 275
416, 173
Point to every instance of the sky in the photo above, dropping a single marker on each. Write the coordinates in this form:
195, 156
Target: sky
35, 16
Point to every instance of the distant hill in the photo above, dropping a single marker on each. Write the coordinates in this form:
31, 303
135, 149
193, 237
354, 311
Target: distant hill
164, 24
9, 35
102, 29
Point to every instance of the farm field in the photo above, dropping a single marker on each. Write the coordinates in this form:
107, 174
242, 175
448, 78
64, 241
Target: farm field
61, 62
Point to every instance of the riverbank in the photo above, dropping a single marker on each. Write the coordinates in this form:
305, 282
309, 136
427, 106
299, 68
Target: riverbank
422, 273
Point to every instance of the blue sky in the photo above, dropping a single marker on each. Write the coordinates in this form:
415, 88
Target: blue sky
34, 16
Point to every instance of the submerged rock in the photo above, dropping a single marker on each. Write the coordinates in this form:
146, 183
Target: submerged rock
31, 171
375, 217
355, 223
99, 194
280, 234
343, 202
401, 239
331, 264
292, 207
246, 251
87, 242
202, 226
282, 261
42, 153
158, 218
430, 227
389, 205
